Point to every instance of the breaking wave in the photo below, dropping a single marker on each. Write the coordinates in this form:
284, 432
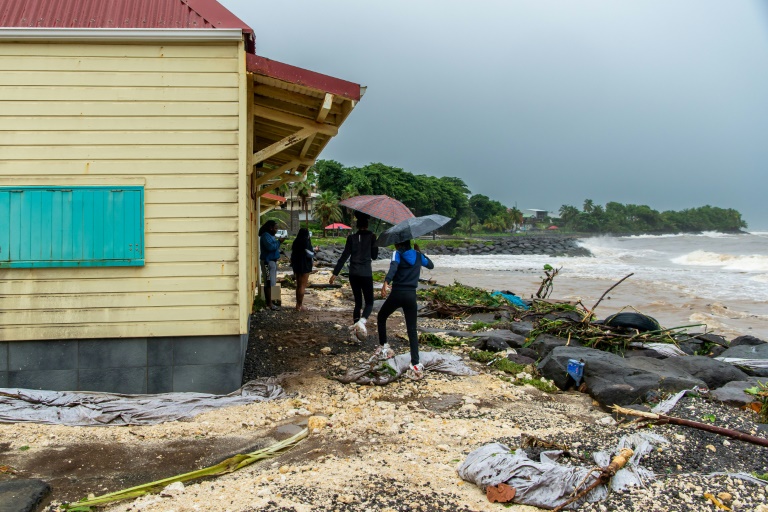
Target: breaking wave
748, 263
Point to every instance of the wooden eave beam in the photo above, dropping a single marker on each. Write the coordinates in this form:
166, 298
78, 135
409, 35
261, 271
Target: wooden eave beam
272, 174
283, 144
325, 109
293, 120
283, 179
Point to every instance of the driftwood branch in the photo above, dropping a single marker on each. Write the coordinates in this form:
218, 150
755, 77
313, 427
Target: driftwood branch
589, 312
605, 475
663, 419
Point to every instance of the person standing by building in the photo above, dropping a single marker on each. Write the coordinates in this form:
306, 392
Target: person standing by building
269, 253
302, 255
360, 249
404, 272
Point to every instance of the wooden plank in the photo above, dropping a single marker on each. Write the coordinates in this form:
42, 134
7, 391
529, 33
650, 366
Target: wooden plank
118, 64
211, 239
110, 79
325, 109
182, 254
120, 152
171, 196
121, 330
292, 120
42, 123
190, 210
282, 144
214, 225
150, 270
165, 181
56, 93
169, 50
57, 168
120, 108
125, 285
116, 300
110, 137
201, 181
109, 315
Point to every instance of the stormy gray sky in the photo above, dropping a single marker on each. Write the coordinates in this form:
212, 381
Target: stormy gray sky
540, 103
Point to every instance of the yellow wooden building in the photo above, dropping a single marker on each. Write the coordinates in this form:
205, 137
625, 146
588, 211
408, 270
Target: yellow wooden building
133, 159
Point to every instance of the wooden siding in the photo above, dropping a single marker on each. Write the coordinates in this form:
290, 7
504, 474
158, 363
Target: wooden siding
166, 117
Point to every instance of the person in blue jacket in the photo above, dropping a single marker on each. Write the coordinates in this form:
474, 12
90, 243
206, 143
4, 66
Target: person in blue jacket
404, 271
269, 253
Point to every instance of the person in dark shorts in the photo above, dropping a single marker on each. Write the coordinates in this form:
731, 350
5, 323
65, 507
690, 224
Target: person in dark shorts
404, 272
360, 249
302, 255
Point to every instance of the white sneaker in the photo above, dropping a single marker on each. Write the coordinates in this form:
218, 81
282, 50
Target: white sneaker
360, 331
415, 371
383, 352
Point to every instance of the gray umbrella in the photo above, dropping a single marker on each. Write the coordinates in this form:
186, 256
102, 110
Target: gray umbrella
412, 228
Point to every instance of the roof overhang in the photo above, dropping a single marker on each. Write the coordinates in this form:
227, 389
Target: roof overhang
296, 112
121, 34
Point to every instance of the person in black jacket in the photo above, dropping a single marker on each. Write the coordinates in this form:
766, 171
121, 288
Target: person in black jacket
302, 254
404, 271
360, 249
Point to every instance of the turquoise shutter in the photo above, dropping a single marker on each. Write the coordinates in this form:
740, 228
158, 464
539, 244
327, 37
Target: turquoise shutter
71, 227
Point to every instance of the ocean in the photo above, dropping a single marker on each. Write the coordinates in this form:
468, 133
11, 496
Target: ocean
715, 280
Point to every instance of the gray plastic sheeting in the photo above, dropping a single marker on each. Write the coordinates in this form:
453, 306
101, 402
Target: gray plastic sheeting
108, 409
384, 372
547, 484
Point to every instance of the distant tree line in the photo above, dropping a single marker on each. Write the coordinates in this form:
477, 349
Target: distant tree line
633, 218
424, 195
451, 197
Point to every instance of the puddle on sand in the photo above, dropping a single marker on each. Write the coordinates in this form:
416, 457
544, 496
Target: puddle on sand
285, 431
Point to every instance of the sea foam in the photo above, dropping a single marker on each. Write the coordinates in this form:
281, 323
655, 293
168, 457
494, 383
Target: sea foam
748, 263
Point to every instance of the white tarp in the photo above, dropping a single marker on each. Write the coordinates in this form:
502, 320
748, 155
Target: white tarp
84, 408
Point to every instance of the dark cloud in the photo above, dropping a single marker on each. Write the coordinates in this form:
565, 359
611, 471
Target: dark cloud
544, 103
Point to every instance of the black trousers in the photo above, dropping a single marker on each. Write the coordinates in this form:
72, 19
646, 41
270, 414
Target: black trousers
405, 299
362, 288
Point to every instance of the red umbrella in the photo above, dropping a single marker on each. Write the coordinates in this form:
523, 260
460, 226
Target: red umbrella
379, 207
337, 225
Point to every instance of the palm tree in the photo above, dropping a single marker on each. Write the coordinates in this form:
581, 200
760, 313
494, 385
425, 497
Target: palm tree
327, 209
497, 222
515, 217
589, 205
304, 193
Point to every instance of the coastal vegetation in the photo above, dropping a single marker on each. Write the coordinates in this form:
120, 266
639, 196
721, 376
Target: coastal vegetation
477, 214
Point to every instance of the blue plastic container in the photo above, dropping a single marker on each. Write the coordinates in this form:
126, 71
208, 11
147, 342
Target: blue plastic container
576, 370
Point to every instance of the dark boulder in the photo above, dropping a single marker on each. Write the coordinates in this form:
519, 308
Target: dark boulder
748, 352
611, 379
733, 392
22, 495
545, 343
715, 373
749, 341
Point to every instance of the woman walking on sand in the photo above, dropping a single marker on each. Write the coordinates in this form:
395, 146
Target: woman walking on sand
362, 249
404, 272
302, 254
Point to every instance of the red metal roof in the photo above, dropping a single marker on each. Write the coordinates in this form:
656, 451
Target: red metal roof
121, 14
300, 76
273, 197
